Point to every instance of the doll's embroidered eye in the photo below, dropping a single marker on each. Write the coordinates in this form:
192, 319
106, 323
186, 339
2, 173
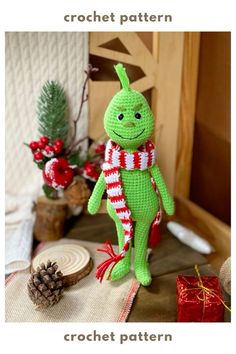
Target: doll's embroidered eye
120, 116
138, 115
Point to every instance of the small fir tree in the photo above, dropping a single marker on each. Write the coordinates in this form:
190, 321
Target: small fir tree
51, 112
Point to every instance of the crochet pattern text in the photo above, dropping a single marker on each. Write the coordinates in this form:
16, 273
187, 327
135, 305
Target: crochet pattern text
122, 338
122, 19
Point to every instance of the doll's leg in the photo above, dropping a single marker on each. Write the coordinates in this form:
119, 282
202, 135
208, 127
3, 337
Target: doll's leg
122, 267
141, 266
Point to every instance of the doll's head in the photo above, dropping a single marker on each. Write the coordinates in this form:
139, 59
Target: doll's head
128, 119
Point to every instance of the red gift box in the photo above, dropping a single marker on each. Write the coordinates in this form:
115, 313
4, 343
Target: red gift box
199, 299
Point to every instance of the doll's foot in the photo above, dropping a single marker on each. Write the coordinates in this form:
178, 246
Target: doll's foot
143, 274
120, 270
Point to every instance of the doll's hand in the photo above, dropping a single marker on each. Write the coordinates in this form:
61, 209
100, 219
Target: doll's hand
93, 205
168, 205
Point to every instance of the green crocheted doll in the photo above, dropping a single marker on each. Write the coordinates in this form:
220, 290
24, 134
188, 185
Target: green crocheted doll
132, 180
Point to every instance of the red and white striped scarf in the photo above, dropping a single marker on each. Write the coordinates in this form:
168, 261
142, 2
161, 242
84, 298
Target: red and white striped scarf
115, 159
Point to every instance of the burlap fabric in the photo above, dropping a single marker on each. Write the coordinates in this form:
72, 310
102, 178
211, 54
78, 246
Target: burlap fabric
87, 301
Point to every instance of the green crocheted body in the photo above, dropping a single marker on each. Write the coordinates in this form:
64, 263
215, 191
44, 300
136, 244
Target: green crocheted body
129, 122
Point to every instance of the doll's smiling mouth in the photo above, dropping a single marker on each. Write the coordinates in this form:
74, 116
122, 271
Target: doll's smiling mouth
134, 137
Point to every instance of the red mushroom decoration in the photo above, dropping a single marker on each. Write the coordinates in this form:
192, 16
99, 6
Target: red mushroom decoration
57, 173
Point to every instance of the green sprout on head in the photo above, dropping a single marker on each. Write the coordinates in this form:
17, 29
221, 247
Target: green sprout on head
121, 72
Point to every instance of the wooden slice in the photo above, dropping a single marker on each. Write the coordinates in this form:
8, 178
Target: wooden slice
73, 261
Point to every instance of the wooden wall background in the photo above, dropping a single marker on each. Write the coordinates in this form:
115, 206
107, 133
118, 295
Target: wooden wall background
210, 177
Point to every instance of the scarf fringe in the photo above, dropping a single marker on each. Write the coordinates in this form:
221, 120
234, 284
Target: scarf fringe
114, 258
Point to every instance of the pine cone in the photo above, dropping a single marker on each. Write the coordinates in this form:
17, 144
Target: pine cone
77, 193
45, 286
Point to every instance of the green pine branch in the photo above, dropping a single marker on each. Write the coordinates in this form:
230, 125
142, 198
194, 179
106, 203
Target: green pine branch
51, 112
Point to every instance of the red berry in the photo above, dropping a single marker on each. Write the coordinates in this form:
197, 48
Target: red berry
33, 145
41, 145
57, 149
58, 142
90, 171
48, 151
89, 168
44, 139
100, 149
49, 148
38, 156
95, 175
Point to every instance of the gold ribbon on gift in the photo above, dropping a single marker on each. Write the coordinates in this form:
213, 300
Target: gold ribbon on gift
205, 290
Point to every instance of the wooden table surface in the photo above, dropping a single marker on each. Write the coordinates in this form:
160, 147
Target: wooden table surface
156, 303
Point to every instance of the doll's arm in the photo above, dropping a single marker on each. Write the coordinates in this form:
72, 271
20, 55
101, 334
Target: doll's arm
167, 200
96, 197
